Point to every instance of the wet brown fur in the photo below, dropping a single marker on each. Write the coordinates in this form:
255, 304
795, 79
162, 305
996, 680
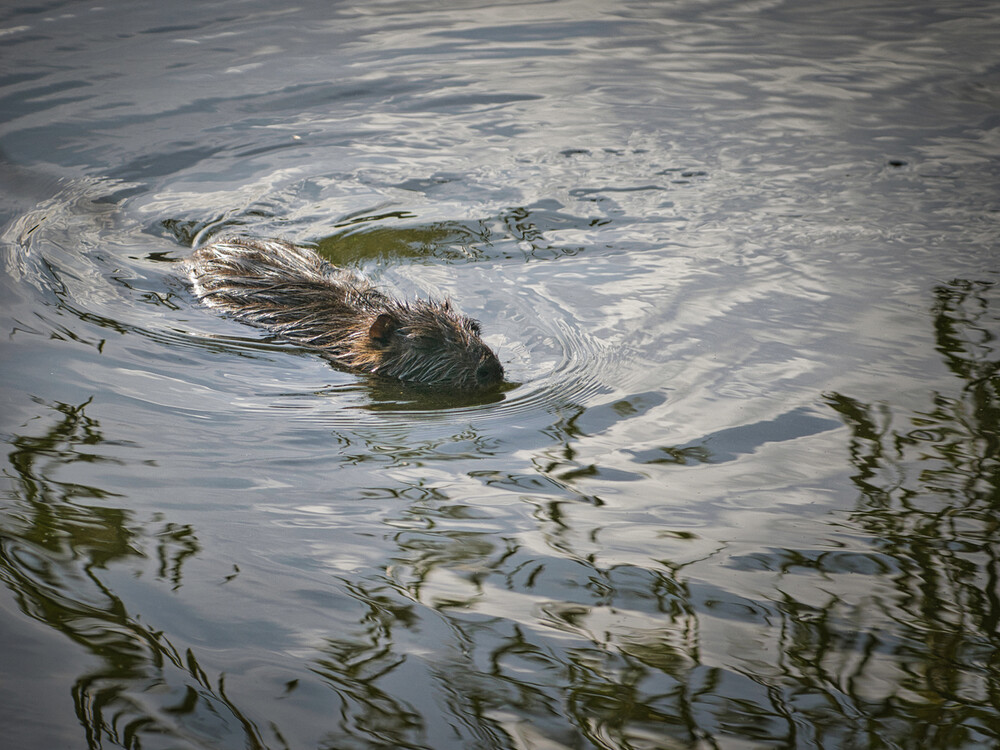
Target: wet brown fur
294, 293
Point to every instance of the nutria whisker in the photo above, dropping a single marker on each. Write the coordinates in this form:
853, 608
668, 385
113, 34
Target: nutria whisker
292, 292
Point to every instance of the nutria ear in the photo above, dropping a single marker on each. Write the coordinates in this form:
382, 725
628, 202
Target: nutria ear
383, 328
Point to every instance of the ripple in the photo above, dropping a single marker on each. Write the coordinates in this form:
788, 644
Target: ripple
79, 248
550, 360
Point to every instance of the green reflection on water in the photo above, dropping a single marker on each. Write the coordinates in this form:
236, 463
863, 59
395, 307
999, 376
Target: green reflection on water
608, 656
929, 495
59, 540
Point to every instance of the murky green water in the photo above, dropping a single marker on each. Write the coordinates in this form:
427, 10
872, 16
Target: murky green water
740, 262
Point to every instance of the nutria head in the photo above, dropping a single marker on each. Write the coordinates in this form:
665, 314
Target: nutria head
429, 344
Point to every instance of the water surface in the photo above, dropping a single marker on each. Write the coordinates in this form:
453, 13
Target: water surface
739, 261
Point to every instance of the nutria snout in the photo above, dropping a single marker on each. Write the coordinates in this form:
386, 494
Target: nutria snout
294, 293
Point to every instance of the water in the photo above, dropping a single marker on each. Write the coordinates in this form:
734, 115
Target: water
740, 262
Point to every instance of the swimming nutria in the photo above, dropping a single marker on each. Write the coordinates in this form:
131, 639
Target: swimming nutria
296, 294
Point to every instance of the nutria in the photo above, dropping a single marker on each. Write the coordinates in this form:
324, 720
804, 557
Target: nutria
294, 293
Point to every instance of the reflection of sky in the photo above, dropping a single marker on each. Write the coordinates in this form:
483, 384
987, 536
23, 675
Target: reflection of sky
707, 241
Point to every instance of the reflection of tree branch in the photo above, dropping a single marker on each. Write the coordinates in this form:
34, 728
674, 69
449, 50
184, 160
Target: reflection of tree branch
621, 686
965, 339
53, 538
930, 494
353, 668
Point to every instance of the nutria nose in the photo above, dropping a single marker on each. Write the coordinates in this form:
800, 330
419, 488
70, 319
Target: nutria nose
489, 372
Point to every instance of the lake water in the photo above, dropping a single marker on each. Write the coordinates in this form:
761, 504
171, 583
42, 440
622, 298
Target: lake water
740, 261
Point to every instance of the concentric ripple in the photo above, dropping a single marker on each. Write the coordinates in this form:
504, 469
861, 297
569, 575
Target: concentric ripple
100, 274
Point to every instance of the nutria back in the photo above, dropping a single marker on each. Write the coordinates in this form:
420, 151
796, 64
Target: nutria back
294, 293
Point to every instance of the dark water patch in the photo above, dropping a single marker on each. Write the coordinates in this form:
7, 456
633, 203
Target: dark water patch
172, 29
28, 101
178, 159
451, 242
730, 444
472, 102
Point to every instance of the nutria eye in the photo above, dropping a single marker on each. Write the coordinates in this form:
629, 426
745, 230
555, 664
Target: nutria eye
425, 343
489, 372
